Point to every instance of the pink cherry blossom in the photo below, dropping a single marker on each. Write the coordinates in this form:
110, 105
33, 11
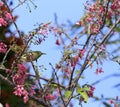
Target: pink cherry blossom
32, 92
19, 79
43, 32
1, 3
3, 22
7, 105
21, 74
8, 16
57, 42
3, 47
21, 68
99, 70
111, 101
90, 93
50, 97
81, 53
21, 92
25, 98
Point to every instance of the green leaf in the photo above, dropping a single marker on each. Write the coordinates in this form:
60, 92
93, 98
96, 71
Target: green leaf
68, 52
108, 22
85, 96
16, 48
117, 29
68, 94
77, 71
83, 93
54, 85
93, 56
82, 77
85, 88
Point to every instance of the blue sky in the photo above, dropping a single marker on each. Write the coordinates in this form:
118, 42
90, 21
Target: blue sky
65, 9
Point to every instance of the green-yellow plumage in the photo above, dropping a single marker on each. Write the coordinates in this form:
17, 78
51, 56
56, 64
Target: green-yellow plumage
31, 56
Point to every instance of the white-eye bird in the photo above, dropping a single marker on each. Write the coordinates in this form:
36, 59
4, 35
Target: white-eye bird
31, 56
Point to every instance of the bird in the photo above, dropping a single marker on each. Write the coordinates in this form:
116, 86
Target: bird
31, 56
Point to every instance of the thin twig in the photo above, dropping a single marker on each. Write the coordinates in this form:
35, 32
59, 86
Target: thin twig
47, 80
71, 76
37, 75
2, 63
20, 3
6, 80
105, 15
104, 78
58, 86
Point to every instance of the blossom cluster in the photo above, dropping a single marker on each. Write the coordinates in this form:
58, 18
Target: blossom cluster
71, 60
99, 70
91, 91
5, 16
21, 75
97, 14
19, 79
50, 97
53, 96
43, 32
21, 92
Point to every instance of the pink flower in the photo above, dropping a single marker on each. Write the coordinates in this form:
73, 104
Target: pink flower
8, 16
32, 92
3, 22
57, 42
76, 58
92, 88
99, 70
111, 101
90, 93
74, 62
67, 70
7, 105
19, 79
21, 68
25, 98
21, 92
82, 52
21, 75
89, 19
50, 97
7, 70
1, 3
3, 47
43, 32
